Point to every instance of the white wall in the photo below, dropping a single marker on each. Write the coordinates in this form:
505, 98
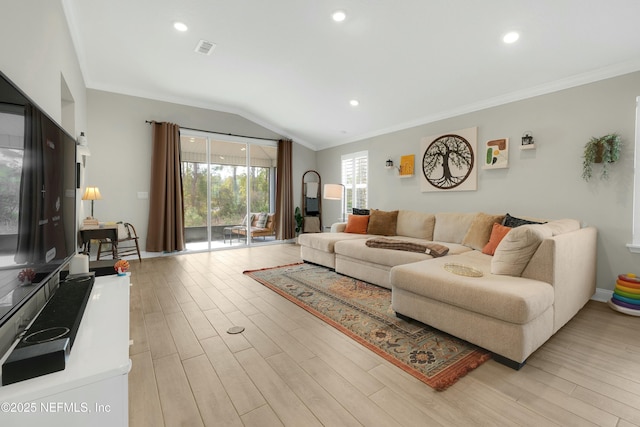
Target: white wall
120, 144
544, 183
36, 52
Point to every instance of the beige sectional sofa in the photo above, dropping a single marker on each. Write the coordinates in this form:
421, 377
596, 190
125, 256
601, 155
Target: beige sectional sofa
539, 277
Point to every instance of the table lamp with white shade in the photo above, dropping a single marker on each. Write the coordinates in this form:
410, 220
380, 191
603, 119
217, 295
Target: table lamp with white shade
93, 194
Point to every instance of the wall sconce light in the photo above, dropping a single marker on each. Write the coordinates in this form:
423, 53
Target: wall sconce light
527, 141
83, 146
389, 164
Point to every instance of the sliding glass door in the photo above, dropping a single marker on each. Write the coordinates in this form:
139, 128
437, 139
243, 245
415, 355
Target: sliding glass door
229, 190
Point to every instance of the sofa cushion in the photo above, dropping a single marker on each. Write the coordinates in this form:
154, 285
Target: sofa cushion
357, 224
326, 241
415, 224
516, 249
358, 250
498, 232
382, 223
452, 227
512, 299
389, 257
480, 230
384, 257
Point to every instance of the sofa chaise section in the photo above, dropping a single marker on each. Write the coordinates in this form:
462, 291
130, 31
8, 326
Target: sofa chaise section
509, 315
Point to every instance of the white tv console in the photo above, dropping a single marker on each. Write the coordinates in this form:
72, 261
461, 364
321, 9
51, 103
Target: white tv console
92, 390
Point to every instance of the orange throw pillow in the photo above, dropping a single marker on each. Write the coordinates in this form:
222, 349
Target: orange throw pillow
497, 234
357, 224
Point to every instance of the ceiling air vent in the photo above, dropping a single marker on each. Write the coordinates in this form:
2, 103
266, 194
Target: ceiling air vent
204, 47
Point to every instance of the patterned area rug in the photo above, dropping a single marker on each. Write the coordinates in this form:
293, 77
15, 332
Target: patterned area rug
363, 312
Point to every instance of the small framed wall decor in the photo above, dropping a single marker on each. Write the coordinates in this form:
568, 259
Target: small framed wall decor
406, 165
496, 154
527, 141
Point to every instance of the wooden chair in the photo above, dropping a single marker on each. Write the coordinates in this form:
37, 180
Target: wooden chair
127, 242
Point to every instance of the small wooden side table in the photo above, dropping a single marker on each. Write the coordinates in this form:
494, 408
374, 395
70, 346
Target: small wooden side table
90, 232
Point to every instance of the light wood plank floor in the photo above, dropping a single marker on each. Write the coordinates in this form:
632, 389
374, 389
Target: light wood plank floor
289, 368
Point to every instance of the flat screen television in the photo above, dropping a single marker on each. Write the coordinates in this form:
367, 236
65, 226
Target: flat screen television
37, 198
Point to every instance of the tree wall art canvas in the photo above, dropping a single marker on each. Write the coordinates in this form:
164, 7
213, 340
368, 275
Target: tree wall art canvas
448, 161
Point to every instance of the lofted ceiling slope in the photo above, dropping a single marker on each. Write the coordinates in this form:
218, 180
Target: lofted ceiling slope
285, 64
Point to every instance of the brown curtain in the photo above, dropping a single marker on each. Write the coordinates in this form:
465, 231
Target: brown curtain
285, 223
30, 245
166, 207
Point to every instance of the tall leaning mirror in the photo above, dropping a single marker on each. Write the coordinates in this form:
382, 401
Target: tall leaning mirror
311, 202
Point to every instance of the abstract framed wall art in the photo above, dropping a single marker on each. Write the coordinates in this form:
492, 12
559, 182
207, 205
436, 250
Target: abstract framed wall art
406, 165
448, 161
496, 154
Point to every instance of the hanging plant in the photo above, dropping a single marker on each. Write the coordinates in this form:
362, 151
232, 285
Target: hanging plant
603, 150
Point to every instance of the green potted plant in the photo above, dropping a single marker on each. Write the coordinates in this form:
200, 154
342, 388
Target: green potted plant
603, 150
299, 219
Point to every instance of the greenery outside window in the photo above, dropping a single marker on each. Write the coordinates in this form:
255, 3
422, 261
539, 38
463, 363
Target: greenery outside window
355, 171
224, 179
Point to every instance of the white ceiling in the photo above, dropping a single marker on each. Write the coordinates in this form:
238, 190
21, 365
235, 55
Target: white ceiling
287, 66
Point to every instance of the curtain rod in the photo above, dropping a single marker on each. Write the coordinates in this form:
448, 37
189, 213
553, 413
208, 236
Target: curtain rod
219, 133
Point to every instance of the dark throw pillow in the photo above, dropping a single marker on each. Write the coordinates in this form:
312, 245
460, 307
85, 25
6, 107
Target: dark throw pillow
357, 211
512, 221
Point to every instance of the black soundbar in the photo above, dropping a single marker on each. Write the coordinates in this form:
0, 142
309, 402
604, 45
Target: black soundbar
46, 344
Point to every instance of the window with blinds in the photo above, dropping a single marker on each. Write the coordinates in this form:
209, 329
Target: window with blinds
354, 178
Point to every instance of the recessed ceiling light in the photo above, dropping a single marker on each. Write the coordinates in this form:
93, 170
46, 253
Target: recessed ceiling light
511, 37
339, 16
354, 102
180, 26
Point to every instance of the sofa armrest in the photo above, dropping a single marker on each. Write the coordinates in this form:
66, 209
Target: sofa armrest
338, 227
568, 262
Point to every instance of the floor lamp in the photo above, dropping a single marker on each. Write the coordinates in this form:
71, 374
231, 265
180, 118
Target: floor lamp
336, 192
